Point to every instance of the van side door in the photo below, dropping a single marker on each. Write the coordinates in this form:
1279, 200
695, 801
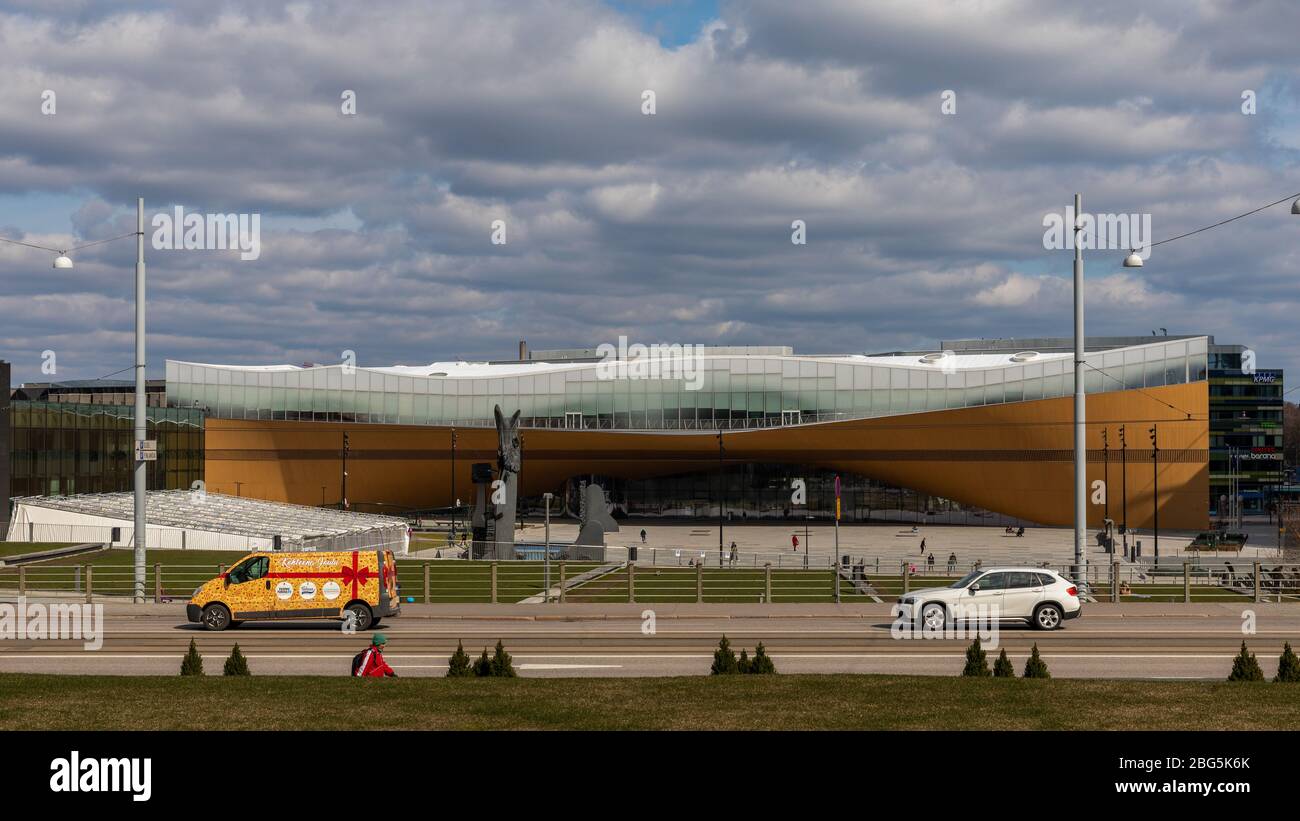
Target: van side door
248, 590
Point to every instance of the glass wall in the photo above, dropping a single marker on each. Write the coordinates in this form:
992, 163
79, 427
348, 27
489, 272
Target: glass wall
59, 448
754, 492
718, 392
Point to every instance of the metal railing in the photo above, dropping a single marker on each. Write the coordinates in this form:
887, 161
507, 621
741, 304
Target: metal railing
161, 537
470, 582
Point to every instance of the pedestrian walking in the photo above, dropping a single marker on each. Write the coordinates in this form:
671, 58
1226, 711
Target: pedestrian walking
794, 542
923, 547
733, 554
643, 535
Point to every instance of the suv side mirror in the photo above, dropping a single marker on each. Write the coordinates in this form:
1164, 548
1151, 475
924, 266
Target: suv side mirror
974, 588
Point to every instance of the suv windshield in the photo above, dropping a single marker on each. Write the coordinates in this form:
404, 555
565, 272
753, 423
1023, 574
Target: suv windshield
965, 580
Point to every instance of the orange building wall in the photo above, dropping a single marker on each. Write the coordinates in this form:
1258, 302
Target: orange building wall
1013, 458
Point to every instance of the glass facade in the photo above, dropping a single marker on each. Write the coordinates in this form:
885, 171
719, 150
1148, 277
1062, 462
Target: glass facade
59, 448
1245, 431
761, 492
734, 392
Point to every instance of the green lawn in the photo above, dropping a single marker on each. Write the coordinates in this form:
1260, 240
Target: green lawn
449, 581
114, 571
723, 585
428, 541
19, 548
780, 702
453, 581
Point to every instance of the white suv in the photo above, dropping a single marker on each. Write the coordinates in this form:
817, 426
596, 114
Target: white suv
1041, 597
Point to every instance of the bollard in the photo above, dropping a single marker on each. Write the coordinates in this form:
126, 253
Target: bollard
77, 579
426, 583
906, 579
699, 582
90, 572
22, 580
1114, 582
1257, 598
562, 572
493, 568
157, 584
631, 583
1187, 582
767, 582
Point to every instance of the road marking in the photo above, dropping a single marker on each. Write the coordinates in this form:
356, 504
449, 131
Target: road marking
570, 666
637, 656
634, 626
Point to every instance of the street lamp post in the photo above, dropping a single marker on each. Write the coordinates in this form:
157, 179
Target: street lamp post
1123, 466
546, 596
141, 422
454, 501
347, 446
721, 497
1155, 490
1080, 422
141, 428
1105, 461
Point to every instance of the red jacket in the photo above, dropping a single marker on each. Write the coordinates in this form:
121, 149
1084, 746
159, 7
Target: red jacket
373, 664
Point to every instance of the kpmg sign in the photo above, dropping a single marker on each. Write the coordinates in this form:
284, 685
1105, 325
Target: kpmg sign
1265, 378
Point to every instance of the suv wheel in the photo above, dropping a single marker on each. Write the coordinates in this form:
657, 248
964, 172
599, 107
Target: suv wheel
934, 616
1047, 617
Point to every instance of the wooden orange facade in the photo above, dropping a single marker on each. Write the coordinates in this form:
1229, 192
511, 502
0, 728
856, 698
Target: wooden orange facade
1012, 458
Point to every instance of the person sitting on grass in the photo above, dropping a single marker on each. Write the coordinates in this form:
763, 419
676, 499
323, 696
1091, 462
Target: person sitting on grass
370, 662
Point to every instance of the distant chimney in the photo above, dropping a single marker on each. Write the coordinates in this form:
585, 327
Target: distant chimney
523, 351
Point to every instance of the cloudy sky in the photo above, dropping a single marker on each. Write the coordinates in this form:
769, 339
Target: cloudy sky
673, 226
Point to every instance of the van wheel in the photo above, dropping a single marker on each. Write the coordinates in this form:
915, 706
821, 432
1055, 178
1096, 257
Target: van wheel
361, 614
1047, 617
216, 617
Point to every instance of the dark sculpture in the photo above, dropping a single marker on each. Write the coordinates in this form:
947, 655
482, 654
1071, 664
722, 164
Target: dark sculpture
505, 495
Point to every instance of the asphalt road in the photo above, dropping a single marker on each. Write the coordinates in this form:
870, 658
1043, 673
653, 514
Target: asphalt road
1125, 641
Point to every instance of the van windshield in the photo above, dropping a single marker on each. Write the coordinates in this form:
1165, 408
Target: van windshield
246, 571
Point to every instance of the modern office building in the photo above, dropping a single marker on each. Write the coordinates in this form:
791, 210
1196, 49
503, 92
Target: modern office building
1246, 432
67, 438
961, 436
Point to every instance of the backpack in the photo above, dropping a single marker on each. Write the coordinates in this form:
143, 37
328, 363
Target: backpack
358, 660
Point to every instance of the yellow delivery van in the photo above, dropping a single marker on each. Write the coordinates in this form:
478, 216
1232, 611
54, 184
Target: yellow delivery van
362, 583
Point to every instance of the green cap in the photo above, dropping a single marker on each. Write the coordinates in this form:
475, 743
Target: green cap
379, 638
